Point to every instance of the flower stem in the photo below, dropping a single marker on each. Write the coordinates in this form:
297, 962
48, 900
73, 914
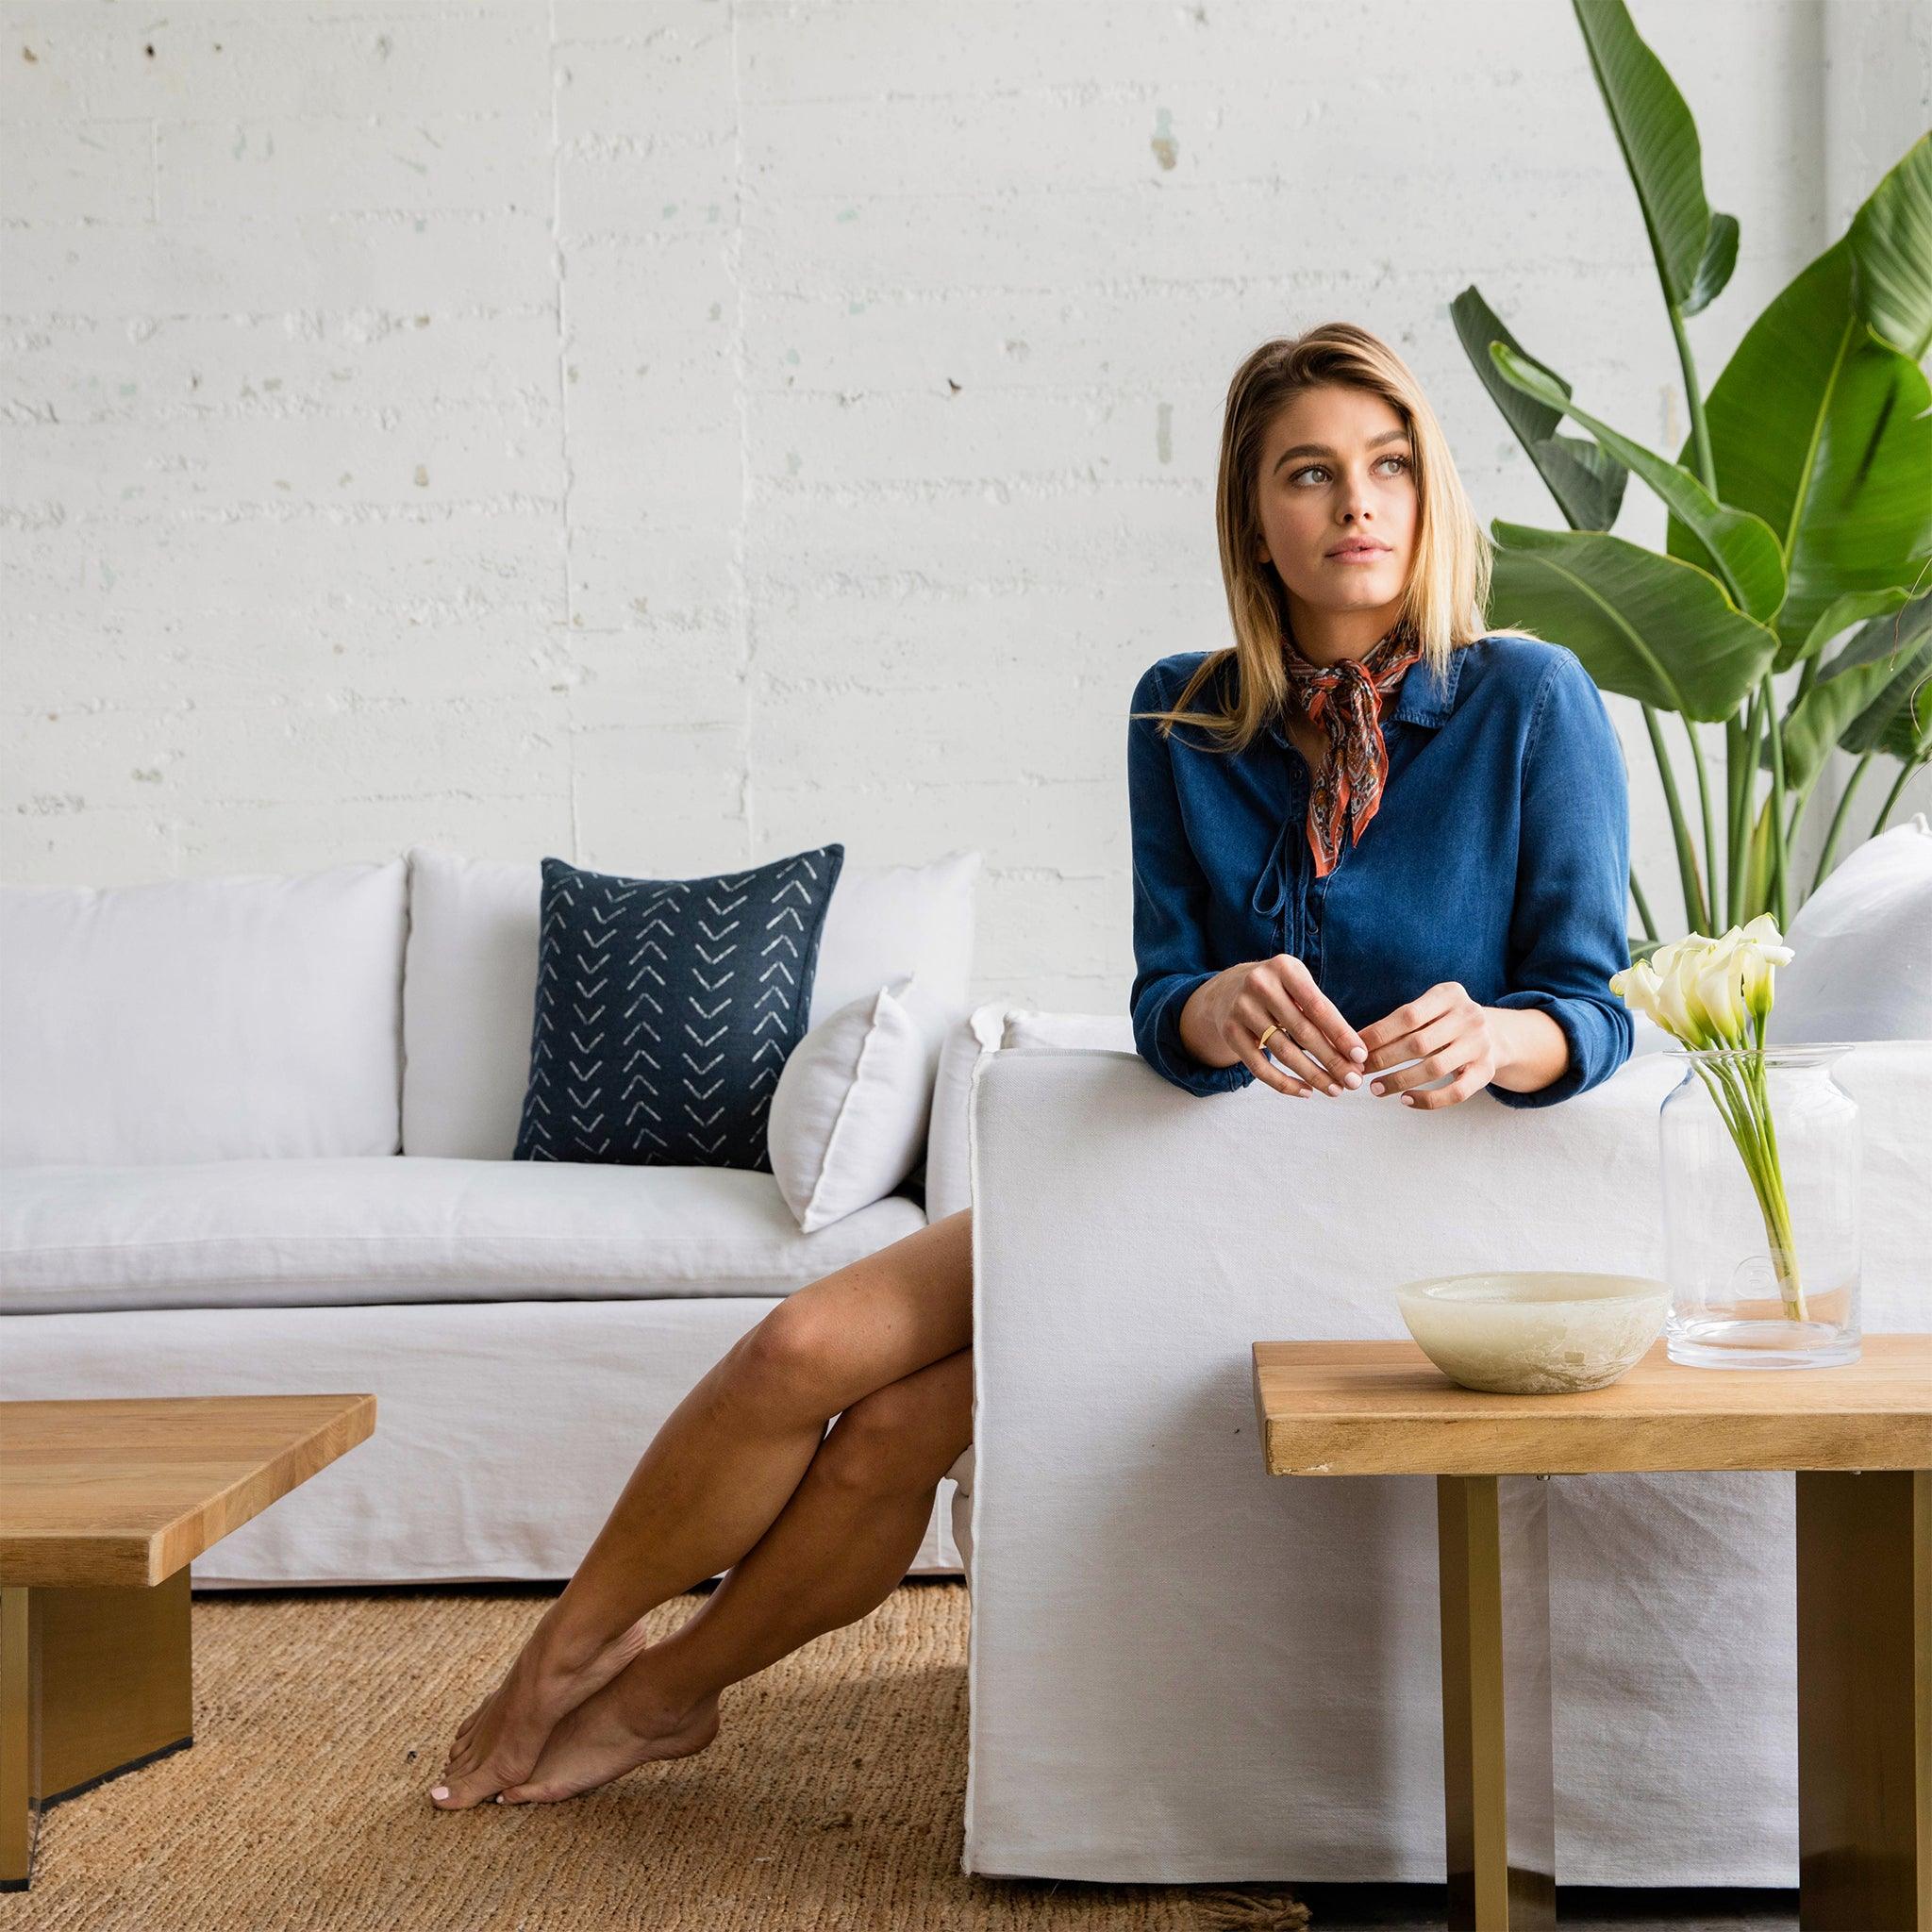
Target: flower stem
1745, 1109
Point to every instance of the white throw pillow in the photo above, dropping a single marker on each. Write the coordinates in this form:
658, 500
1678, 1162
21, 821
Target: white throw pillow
470, 986
850, 1111
1862, 947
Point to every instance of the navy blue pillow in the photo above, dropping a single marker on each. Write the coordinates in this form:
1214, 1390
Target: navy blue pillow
666, 1010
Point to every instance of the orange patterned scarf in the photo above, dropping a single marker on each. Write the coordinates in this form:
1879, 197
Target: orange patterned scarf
1345, 700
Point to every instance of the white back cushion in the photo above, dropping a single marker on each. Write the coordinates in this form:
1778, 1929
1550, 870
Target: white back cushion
1861, 945
470, 986
253, 1017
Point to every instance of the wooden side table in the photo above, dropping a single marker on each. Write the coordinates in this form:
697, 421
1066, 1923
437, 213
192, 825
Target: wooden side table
103, 1507
1858, 1437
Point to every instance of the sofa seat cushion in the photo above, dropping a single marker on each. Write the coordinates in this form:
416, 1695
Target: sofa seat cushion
306, 1233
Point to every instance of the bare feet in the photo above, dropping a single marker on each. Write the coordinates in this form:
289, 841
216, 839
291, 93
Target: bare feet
632, 1721
501, 1740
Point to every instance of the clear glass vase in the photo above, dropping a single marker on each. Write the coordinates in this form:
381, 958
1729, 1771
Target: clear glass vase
1761, 1187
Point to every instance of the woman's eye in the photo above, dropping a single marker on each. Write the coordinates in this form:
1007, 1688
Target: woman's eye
1320, 470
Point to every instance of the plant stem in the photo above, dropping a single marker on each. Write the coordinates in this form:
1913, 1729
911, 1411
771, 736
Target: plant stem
1700, 429
1779, 891
1837, 820
1643, 907
1694, 904
1711, 853
1742, 815
1745, 1111
1891, 797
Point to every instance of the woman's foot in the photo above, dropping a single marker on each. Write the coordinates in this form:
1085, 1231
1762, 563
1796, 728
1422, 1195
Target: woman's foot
633, 1721
501, 1740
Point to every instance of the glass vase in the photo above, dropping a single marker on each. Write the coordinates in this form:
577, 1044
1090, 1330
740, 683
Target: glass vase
1761, 1190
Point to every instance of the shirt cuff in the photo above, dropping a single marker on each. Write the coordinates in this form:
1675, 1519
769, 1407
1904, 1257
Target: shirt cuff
1171, 1059
1598, 1046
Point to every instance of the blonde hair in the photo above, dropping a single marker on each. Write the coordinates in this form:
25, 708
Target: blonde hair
1449, 574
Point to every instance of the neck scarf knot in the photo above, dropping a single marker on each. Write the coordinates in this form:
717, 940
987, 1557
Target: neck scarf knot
1345, 700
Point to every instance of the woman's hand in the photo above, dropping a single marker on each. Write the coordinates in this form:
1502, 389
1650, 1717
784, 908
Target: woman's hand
1444, 1031
1315, 1046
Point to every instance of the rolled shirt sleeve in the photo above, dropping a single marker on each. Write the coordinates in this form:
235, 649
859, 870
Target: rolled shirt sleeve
1171, 894
1568, 929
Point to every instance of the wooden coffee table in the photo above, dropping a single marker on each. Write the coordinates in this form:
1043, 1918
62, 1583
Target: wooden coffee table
1860, 1438
103, 1507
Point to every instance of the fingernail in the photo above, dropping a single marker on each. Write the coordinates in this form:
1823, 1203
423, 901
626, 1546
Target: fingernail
440, 1792
1359, 1053
1376, 1088
1352, 1079
1409, 1100
499, 1797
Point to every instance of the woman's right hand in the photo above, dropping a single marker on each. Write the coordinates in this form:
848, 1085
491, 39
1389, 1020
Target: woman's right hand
1315, 1047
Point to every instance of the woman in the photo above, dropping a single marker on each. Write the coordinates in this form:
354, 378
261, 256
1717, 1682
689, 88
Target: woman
1475, 931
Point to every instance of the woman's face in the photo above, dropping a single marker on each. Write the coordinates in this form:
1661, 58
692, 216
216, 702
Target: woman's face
1336, 503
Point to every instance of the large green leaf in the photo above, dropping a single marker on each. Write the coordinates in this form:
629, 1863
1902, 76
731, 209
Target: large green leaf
1742, 550
1824, 433
1899, 650
1892, 254
1656, 630
1586, 484
1659, 143
1822, 717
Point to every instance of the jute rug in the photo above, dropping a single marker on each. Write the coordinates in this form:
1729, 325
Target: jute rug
830, 1799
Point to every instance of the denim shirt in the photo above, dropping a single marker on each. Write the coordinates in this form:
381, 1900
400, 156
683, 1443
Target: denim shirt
1499, 857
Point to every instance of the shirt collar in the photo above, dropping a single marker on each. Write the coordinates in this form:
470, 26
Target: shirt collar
1421, 698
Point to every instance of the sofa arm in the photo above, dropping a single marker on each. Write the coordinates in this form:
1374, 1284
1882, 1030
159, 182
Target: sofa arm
948, 1187
1182, 1667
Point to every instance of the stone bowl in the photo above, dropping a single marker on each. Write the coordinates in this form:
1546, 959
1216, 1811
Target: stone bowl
1532, 1331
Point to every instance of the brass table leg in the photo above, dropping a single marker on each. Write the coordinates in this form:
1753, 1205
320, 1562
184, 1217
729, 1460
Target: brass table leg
1864, 1609
1493, 1543
93, 1683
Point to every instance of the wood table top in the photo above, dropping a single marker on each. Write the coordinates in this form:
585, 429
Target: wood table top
126, 1492
1384, 1408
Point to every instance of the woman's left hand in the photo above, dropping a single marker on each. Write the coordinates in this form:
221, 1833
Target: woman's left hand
1444, 1031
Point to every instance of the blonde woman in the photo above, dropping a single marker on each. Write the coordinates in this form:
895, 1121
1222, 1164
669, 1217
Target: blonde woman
1374, 849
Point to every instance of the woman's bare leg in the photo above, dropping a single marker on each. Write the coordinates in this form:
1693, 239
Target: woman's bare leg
715, 1478
838, 1549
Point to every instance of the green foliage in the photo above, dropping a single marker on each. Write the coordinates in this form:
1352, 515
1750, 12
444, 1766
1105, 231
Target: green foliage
1800, 505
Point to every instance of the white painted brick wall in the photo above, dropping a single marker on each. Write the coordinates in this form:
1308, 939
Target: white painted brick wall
673, 434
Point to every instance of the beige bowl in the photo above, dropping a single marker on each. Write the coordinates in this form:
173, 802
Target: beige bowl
1534, 1332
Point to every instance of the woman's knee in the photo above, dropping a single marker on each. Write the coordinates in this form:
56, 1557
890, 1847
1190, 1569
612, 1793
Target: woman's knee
786, 1367
905, 1435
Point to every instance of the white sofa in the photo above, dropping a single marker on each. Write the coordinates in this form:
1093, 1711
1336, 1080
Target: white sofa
255, 1137
1183, 1669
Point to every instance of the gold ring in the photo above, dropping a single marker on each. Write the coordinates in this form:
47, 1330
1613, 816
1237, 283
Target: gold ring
1261, 1044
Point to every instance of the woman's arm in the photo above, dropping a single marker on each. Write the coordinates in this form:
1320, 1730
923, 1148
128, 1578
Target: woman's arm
1568, 928
1170, 908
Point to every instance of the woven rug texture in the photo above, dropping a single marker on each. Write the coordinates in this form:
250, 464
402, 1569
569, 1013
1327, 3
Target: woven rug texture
831, 1798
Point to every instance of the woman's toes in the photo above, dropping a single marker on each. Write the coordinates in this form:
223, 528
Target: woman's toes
460, 1792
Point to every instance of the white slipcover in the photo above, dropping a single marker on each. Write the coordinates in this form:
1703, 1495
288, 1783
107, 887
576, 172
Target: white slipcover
1184, 1669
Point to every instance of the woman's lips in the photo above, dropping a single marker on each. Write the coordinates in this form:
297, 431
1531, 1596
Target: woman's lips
1358, 555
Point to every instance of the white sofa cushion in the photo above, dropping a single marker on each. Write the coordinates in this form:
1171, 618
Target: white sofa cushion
849, 1113
1861, 946
252, 1234
254, 1016
470, 986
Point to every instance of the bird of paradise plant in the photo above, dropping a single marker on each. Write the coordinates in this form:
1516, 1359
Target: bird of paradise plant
1799, 508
